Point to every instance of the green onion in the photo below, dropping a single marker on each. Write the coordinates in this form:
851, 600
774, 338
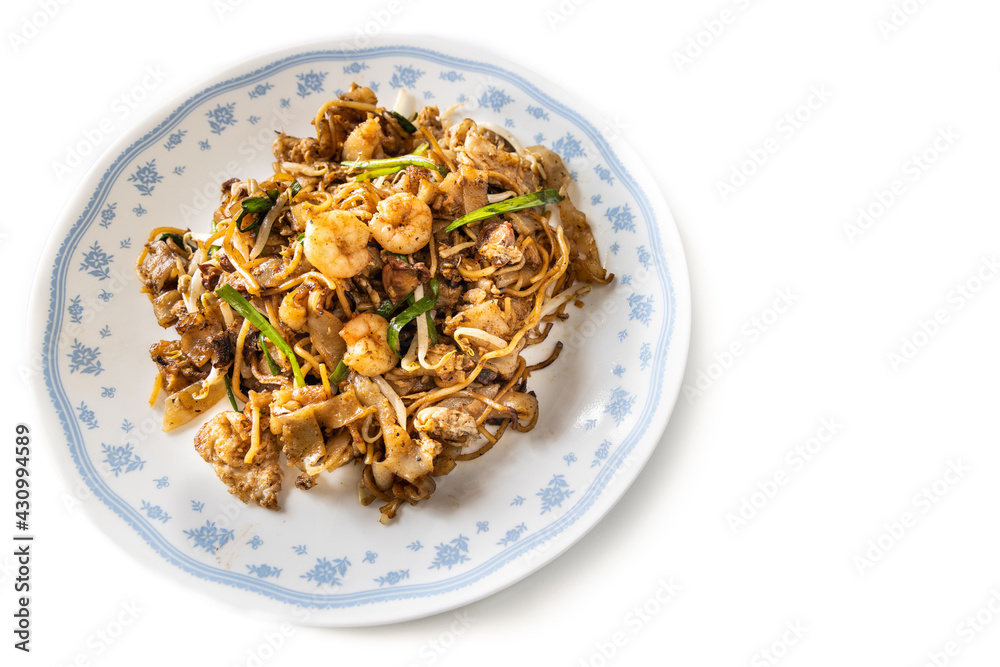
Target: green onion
432, 332
387, 307
229, 390
270, 360
261, 205
176, 238
375, 173
507, 206
340, 372
422, 148
407, 126
243, 307
405, 317
257, 205
404, 161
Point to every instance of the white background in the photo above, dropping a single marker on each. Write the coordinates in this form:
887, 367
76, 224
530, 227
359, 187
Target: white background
826, 553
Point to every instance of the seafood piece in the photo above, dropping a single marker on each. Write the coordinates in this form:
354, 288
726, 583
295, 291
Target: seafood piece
402, 224
368, 353
336, 243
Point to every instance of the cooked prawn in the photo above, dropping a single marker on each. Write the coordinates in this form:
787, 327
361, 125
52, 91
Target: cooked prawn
363, 140
368, 353
402, 223
336, 243
292, 311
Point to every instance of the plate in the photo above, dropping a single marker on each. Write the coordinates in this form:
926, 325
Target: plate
324, 559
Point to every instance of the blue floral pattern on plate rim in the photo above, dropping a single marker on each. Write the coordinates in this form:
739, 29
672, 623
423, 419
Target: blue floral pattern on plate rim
648, 335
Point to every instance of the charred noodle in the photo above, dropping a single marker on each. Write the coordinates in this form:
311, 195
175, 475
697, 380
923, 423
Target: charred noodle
369, 302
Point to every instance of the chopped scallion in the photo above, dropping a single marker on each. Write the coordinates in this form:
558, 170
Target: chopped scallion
407, 126
229, 390
340, 372
258, 205
261, 205
243, 307
432, 332
271, 365
539, 198
402, 162
419, 308
387, 307
177, 239
375, 173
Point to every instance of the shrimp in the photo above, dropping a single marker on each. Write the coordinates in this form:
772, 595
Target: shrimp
368, 353
292, 311
402, 223
363, 140
336, 243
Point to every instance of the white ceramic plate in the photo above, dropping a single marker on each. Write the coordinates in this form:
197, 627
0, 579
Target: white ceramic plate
324, 559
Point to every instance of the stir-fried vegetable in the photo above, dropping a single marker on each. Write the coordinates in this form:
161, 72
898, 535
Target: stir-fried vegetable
539, 198
375, 173
261, 205
419, 308
243, 307
404, 122
229, 390
431, 329
253, 205
387, 308
179, 240
271, 366
340, 373
401, 162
